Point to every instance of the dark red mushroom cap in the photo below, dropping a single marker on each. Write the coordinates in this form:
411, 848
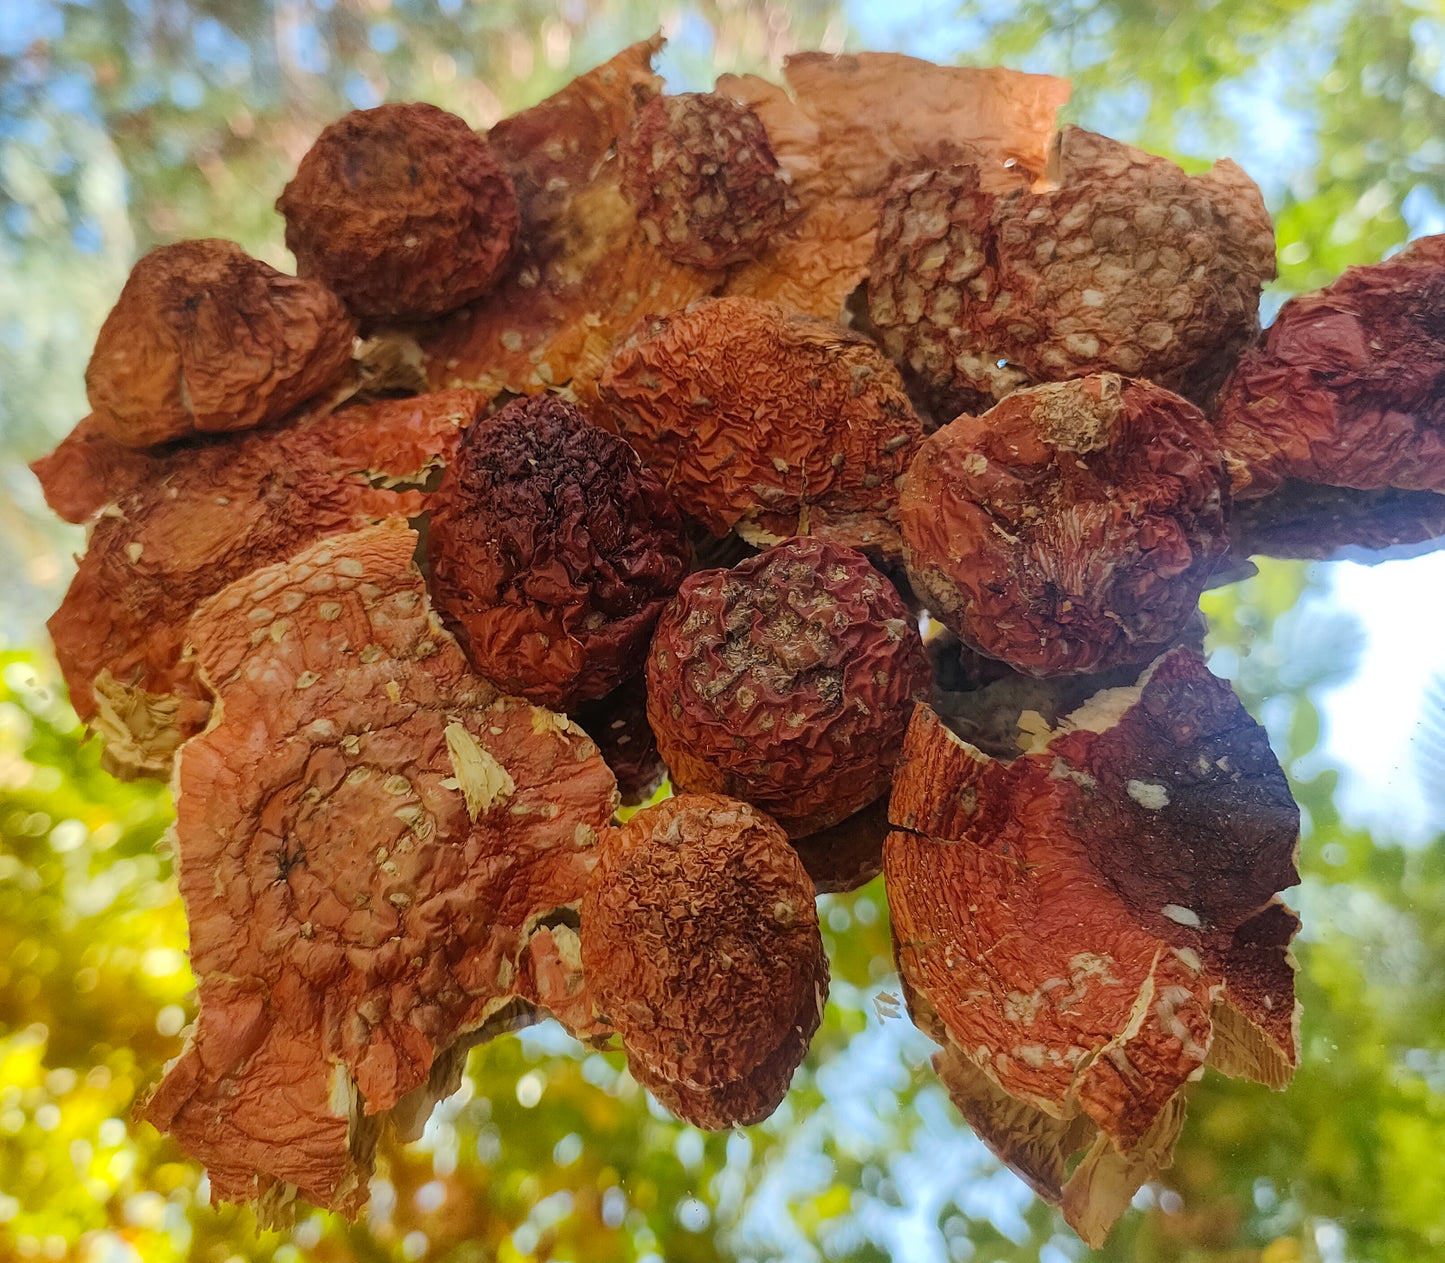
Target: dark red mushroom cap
403, 210
786, 681
553, 550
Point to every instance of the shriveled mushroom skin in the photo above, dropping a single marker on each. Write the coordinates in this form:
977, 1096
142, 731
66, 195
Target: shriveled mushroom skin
1317, 522
701, 948
700, 171
184, 521
1087, 926
553, 551
369, 840
786, 681
1072, 527
403, 210
618, 724
1348, 385
204, 338
772, 424
1127, 265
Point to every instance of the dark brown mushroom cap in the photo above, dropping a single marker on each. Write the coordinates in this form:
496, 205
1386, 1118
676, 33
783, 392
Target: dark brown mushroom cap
403, 210
618, 725
206, 338
189, 519
1348, 385
1127, 265
1072, 527
786, 681
552, 551
773, 424
1315, 522
700, 171
700, 944
369, 838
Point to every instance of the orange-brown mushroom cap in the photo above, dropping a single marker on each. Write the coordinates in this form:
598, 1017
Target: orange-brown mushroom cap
701, 947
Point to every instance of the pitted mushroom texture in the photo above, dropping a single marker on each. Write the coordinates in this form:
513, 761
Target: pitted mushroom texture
553, 551
701, 947
700, 171
1128, 265
786, 681
403, 210
369, 839
205, 338
772, 424
1085, 927
1071, 528
1348, 386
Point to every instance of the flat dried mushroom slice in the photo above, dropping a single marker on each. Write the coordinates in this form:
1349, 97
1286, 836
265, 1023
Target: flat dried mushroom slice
197, 516
844, 127
585, 271
369, 839
402, 210
768, 424
1318, 523
786, 681
1074, 923
1071, 528
701, 948
1125, 265
1348, 384
552, 550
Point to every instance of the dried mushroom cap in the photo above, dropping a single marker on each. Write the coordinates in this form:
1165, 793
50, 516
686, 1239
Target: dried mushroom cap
183, 522
1072, 527
369, 838
701, 947
403, 210
618, 724
1348, 385
1087, 926
206, 338
552, 551
772, 424
1319, 523
1126, 265
703, 178
88, 471
849, 854
786, 681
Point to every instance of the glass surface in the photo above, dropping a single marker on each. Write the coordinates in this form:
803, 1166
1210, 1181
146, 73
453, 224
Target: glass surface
127, 123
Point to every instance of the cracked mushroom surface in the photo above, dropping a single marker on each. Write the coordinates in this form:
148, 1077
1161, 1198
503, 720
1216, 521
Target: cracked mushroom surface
786, 681
1126, 265
206, 339
701, 948
1071, 528
181, 523
1347, 387
1087, 926
370, 840
552, 550
402, 210
768, 424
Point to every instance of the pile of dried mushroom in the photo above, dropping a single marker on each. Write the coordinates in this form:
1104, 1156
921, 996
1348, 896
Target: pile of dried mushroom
636, 438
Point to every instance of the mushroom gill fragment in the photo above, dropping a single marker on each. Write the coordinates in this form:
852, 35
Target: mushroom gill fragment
370, 840
768, 424
181, 522
701, 948
1086, 927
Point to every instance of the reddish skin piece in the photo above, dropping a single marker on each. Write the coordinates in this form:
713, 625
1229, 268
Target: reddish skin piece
1348, 385
204, 338
360, 896
88, 471
1317, 523
1127, 265
701, 948
849, 854
1071, 528
700, 171
772, 424
552, 552
1136, 850
403, 210
618, 724
786, 681
195, 517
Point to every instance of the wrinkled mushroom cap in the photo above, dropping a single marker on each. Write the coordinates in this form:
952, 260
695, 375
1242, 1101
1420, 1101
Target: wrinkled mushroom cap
206, 338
